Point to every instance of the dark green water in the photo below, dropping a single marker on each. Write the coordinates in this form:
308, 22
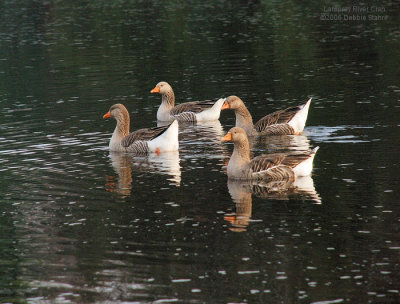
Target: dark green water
81, 225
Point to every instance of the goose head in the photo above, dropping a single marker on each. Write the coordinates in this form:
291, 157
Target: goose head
236, 135
162, 88
118, 112
232, 102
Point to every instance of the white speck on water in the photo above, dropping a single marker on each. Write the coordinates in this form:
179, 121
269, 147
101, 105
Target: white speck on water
248, 272
195, 290
166, 300
329, 301
180, 280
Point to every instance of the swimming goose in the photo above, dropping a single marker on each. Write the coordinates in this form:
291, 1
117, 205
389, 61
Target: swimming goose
188, 111
284, 122
158, 139
276, 166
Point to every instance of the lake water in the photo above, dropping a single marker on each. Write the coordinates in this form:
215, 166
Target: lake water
81, 225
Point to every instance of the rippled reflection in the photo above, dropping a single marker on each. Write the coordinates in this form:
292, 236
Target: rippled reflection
336, 134
122, 184
202, 139
212, 130
241, 193
202, 131
286, 143
166, 163
124, 163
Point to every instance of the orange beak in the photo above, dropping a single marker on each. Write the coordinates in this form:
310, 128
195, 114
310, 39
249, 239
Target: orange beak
107, 115
227, 137
155, 90
225, 106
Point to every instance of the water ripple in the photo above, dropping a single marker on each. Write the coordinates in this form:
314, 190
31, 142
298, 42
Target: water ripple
335, 134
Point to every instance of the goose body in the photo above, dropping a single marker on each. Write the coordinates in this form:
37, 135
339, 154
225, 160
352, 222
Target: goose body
189, 111
289, 121
278, 166
158, 139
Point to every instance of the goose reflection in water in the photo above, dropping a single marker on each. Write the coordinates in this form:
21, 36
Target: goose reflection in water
211, 130
286, 143
200, 131
165, 163
202, 139
242, 191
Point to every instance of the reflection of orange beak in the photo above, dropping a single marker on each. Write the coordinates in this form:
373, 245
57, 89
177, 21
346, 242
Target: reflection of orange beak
107, 115
155, 90
225, 106
227, 137
231, 219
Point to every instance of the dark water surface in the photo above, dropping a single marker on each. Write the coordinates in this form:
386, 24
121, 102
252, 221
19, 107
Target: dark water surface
81, 225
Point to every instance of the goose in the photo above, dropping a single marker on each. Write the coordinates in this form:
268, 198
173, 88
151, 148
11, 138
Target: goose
290, 121
278, 166
158, 139
189, 111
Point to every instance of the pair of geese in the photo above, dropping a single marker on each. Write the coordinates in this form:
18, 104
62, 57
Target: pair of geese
276, 166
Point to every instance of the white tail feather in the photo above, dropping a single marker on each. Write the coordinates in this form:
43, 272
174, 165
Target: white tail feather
212, 113
299, 120
168, 141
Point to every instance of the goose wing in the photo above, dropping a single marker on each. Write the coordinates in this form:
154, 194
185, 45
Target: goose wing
266, 162
278, 117
293, 159
271, 167
143, 135
192, 106
278, 129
